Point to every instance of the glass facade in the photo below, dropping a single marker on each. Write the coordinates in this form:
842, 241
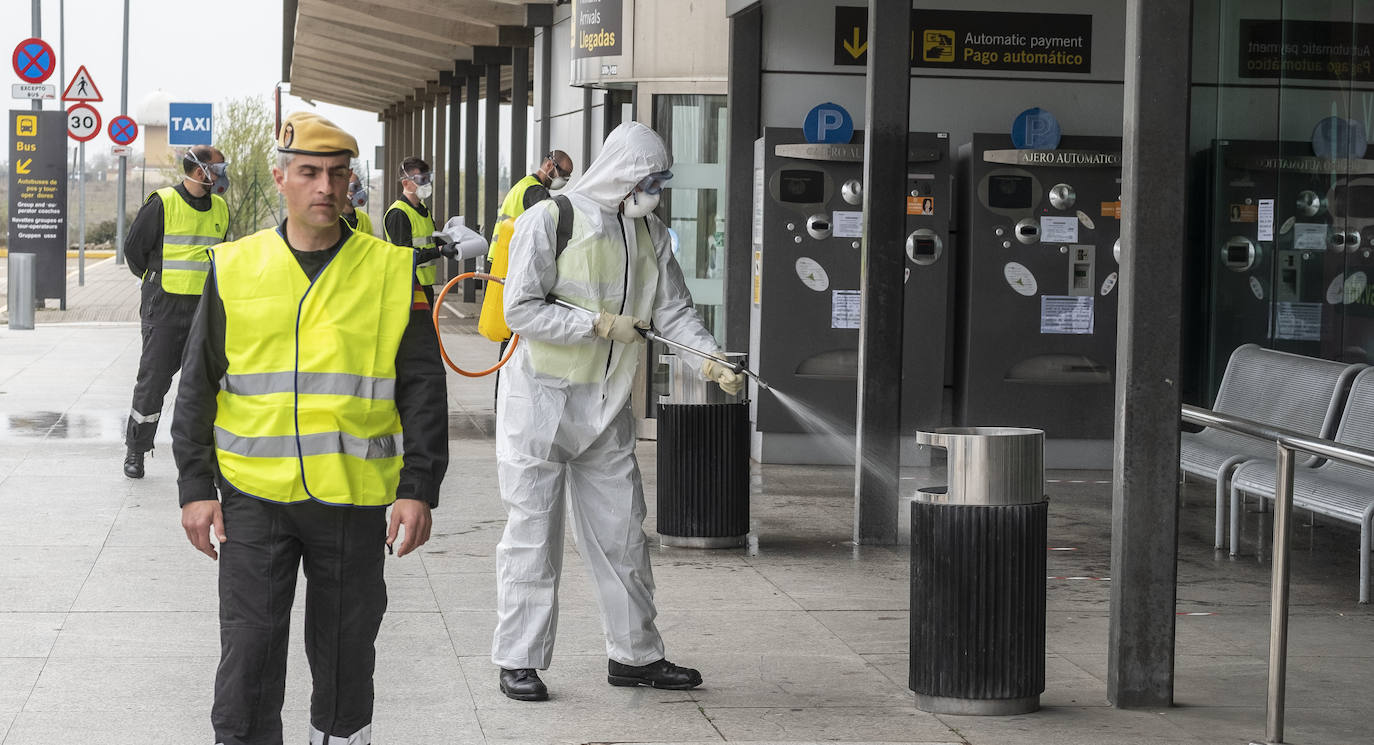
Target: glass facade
1283, 229
693, 207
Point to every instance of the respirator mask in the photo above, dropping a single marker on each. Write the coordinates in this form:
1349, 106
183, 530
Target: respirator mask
357, 194
424, 187
559, 179
644, 199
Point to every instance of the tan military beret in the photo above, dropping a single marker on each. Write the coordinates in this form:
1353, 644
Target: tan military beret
309, 133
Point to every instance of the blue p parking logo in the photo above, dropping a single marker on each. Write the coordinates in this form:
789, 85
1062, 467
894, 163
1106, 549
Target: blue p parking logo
828, 123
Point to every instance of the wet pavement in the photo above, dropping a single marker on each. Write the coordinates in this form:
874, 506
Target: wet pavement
108, 625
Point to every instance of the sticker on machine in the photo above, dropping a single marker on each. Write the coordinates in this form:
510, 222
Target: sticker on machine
1058, 229
1066, 314
847, 223
1108, 284
1244, 213
1346, 290
1266, 220
1309, 236
845, 309
1298, 321
920, 205
1020, 278
812, 274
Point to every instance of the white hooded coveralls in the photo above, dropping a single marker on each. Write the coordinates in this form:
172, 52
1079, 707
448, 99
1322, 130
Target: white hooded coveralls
563, 421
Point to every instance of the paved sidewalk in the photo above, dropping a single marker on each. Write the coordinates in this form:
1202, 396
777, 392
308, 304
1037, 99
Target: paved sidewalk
108, 626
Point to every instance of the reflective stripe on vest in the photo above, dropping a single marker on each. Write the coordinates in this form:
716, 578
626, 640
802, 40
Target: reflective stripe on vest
592, 274
186, 233
306, 408
421, 236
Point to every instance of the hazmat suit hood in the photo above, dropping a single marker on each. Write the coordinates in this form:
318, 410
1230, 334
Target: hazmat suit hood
631, 152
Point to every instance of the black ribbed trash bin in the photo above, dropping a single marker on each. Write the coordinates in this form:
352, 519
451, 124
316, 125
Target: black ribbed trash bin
978, 575
703, 461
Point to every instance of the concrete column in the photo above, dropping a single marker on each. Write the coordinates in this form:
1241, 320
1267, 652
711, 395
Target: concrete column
491, 157
519, 113
742, 112
545, 87
1140, 641
878, 428
470, 182
418, 123
440, 163
586, 159
455, 160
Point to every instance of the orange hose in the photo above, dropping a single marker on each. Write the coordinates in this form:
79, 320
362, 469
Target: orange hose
439, 299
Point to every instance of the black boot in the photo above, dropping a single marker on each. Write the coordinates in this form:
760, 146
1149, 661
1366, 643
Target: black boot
133, 464
523, 684
661, 674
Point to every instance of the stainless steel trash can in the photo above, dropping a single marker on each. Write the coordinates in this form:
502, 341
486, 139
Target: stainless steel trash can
703, 460
978, 574
21, 288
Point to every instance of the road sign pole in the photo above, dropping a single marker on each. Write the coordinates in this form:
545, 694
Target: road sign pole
37, 33
123, 162
81, 250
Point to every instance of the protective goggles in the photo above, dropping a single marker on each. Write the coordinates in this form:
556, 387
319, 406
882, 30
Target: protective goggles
654, 182
556, 170
419, 179
214, 169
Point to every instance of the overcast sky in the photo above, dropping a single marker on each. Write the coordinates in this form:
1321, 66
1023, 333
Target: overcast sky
207, 51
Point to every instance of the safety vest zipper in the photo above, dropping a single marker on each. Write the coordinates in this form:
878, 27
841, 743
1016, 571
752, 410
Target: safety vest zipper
624, 292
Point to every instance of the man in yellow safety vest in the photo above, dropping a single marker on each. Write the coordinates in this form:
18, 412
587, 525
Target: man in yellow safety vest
552, 174
409, 222
166, 248
314, 399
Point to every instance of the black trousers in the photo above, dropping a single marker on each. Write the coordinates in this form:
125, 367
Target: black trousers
343, 550
161, 358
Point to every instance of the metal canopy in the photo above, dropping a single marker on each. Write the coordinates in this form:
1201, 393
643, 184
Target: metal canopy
376, 54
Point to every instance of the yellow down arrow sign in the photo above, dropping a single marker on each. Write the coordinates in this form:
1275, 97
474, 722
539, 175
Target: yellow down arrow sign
855, 49
22, 166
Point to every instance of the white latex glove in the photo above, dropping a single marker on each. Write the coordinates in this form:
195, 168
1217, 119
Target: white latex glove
729, 381
623, 329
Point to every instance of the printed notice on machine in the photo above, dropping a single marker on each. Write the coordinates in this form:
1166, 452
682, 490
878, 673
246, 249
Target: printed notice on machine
1066, 314
844, 309
1058, 229
1298, 321
1309, 236
1266, 219
847, 223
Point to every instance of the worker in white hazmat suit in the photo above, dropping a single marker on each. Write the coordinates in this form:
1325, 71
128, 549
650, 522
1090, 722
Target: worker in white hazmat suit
565, 425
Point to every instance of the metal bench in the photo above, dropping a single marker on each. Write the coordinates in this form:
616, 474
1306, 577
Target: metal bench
1270, 387
1336, 490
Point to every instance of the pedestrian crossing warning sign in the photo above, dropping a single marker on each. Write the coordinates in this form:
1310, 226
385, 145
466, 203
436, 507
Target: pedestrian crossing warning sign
937, 45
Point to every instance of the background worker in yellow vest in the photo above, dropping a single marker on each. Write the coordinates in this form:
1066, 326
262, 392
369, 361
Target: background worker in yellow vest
166, 248
314, 398
355, 206
410, 223
553, 174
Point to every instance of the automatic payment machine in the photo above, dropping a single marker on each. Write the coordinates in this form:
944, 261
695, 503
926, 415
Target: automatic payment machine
1288, 256
1036, 344
804, 310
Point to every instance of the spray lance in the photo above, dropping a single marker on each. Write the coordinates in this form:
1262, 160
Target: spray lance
652, 335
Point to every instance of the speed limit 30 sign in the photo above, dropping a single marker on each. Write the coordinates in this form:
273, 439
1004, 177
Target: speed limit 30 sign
83, 122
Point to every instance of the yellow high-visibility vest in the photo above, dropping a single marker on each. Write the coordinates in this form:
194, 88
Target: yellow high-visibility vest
364, 222
421, 236
187, 234
307, 408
